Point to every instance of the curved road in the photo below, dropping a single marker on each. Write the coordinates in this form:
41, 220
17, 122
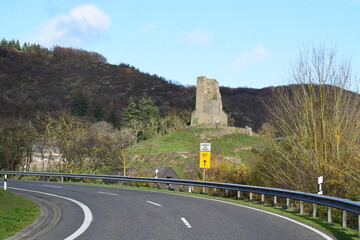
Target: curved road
116, 213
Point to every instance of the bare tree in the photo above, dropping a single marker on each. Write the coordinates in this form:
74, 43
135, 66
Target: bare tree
64, 131
315, 123
16, 139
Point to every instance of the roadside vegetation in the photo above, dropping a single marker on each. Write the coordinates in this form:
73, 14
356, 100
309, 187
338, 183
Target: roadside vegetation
312, 130
16, 213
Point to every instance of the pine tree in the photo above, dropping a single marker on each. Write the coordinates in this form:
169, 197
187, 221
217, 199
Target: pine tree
130, 113
148, 110
113, 119
79, 105
98, 113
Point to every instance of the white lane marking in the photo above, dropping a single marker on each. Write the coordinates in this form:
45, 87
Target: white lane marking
51, 186
88, 217
324, 235
113, 194
156, 204
187, 224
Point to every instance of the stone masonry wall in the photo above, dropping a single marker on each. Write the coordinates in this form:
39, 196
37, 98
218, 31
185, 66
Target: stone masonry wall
208, 110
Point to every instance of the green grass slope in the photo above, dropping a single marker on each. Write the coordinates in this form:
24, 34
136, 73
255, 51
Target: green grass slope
180, 149
15, 213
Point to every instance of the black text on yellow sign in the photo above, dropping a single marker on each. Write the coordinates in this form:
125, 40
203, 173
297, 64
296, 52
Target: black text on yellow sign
204, 160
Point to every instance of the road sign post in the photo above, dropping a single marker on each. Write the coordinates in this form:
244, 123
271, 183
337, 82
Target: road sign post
204, 162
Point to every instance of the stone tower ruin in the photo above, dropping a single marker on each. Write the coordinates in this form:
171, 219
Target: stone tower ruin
208, 110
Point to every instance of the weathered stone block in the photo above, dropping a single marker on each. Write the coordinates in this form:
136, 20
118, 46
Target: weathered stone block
208, 110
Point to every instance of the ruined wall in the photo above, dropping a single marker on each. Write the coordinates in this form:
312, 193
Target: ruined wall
208, 110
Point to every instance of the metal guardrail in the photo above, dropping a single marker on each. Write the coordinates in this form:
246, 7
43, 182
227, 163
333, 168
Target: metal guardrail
331, 202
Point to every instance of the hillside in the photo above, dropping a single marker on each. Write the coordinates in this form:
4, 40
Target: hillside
44, 80
180, 150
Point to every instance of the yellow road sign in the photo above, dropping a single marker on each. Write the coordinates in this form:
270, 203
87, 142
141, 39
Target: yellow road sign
204, 160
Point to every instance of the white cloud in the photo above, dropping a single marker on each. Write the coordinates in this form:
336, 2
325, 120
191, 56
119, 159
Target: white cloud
257, 54
83, 23
146, 28
199, 37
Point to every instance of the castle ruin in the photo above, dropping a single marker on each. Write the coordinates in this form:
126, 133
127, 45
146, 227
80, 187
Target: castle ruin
208, 111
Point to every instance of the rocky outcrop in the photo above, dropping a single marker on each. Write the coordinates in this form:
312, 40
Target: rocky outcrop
208, 110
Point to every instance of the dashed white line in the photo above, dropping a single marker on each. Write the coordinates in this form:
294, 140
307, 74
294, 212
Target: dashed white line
156, 204
187, 224
51, 186
113, 194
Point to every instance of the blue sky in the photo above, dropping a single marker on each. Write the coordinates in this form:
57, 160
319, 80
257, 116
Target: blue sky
239, 43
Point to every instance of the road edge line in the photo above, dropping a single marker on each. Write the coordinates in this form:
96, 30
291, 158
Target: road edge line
88, 217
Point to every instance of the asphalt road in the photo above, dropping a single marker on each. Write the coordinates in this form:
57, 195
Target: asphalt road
115, 213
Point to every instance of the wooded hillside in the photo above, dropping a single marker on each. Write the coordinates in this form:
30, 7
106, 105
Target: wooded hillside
37, 80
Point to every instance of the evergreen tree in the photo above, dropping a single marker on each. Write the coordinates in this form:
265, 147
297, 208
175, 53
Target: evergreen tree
144, 113
130, 113
113, 119
79, 105
148, 110
98, 113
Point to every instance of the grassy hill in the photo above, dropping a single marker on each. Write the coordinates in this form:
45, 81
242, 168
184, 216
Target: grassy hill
180, 149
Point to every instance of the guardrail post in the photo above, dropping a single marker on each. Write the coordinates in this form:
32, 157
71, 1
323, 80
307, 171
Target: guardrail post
238, 195
288, 203
226, 193
214, 191
5, 182
251, 197
329, 218
314, 210
190, 189
203, 190
275, 201
262, 198
344, 219
301, 207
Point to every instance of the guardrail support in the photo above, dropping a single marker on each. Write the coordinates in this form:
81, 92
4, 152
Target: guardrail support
344, 219
251, 197
275, 201
301, 207
214, 191
226, 193
329, 218
238, 195
262, 198
5, 182
314, 210
288, 203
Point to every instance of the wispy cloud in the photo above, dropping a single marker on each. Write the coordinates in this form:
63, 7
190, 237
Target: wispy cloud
199, 37
83, 23
257, 54
146, 28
